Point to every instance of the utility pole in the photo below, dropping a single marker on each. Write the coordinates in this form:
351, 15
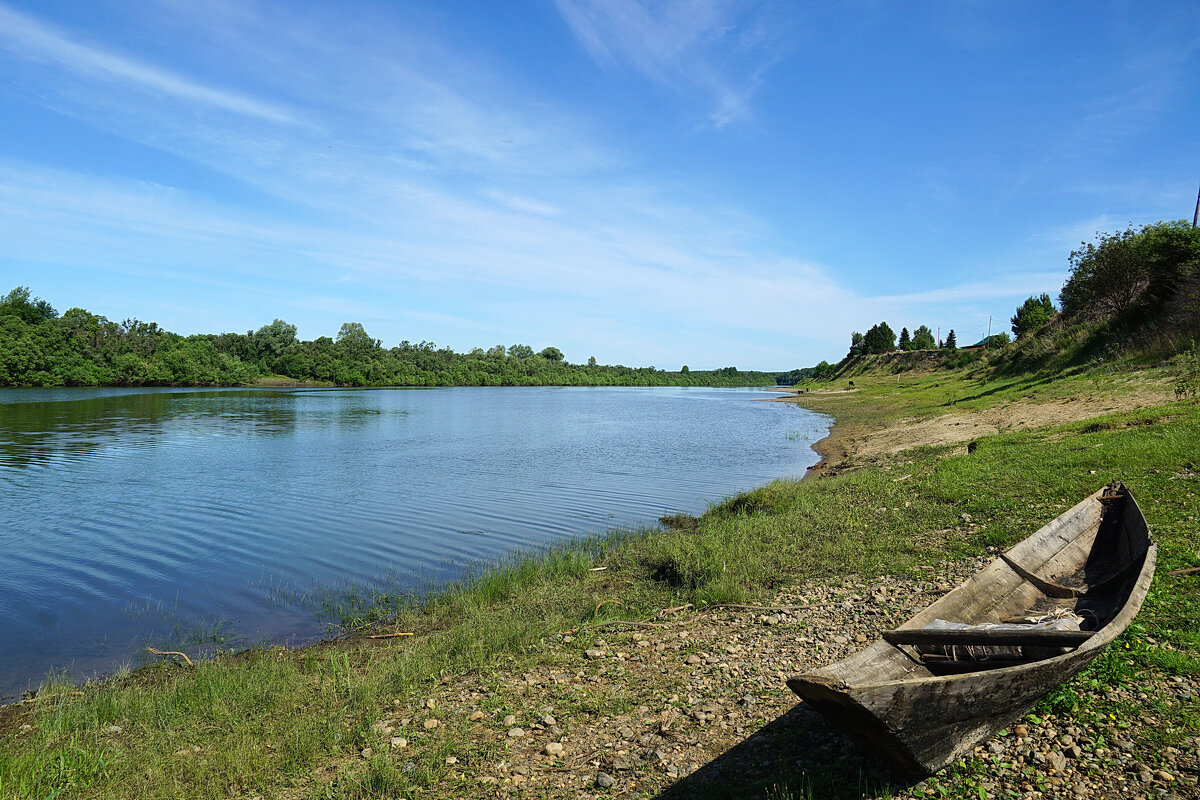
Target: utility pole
1196, 215
987, 343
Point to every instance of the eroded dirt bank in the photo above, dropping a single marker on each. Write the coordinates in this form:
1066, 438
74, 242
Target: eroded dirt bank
854, 444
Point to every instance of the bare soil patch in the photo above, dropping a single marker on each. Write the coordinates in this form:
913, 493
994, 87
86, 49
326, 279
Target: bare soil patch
849, 445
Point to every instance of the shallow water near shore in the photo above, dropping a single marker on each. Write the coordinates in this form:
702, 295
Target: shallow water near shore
183, 517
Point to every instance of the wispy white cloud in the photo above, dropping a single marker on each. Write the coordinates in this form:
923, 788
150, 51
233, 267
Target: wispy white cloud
37, 41
977, 291
720, 47
508, 271
423, 185
523, 204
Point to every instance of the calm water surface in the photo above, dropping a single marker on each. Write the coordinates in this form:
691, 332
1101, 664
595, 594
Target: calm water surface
162, 517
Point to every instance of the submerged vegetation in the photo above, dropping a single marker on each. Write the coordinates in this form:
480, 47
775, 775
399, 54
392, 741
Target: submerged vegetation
39, 347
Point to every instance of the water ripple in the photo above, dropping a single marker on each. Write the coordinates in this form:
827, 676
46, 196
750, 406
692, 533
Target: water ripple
131, 514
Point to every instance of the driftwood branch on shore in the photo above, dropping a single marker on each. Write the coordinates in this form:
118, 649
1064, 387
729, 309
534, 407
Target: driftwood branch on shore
388, 635
769, 608
616, 623
172, 653
673, 609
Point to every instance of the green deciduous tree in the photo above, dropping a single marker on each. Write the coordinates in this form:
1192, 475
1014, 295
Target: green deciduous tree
33, 310
551, 354
922, 339
272, 341
823, 371
354, 341
1135, 267
1032, 314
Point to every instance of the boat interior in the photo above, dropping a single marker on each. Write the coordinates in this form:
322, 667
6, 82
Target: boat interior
1085, 563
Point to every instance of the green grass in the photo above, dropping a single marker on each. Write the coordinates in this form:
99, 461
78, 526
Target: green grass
881, 397
271, 722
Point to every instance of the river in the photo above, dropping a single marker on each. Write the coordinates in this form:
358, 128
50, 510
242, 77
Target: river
184, 518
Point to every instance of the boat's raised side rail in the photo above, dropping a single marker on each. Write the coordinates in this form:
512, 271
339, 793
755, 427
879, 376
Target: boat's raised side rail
987, 636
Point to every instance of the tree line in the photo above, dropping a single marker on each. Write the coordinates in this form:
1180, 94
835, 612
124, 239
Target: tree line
40, 347
880, 338
1142, 278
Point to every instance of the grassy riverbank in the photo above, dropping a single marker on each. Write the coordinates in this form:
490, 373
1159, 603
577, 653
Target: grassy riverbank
525, 645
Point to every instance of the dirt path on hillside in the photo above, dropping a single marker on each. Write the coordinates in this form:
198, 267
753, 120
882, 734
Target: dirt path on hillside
849, 445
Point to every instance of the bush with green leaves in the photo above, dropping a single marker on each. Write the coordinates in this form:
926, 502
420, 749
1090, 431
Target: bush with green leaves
1032, 314
1134, 269
1187, 383
922, 339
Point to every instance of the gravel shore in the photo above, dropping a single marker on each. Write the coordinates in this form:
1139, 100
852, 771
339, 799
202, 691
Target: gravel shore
696, 705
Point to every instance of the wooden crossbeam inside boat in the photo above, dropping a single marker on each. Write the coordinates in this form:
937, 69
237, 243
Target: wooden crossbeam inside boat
923, 720
987, 636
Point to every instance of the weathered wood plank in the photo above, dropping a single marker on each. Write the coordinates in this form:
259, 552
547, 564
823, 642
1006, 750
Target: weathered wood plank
923, 716
988, 636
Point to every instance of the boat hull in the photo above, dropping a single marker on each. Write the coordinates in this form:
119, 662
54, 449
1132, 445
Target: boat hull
922, 722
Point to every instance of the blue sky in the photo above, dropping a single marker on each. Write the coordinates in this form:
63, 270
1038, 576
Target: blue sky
699, 182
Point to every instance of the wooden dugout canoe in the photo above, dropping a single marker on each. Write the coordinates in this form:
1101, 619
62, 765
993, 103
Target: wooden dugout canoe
1096, 559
